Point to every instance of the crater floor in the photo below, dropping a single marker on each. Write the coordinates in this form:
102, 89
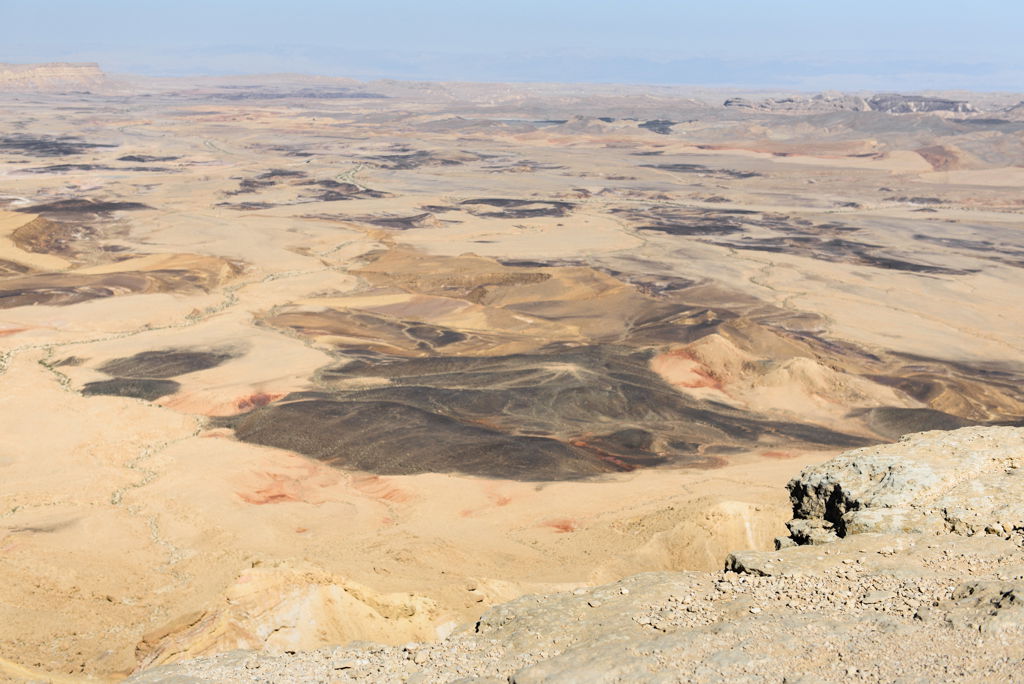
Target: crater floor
417, 351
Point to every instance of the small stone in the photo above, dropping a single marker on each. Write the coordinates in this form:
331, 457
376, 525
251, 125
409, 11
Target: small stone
755, 610
877, 597
623, 590
344, 664
593, 603
420, 657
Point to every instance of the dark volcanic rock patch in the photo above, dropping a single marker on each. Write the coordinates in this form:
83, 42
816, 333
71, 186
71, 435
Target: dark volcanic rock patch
281, 173
660, 126
839, 250
330, 190
894, 422
1002, 252
411, 160
720, 228
248, 185
343, 191
916, 200
401, 222
266, 179
784, 234
395, 439
601, 399
559, 415
9, 268
518, 208
165, 363
67, 168
331, 184
47, 146
145, 158
703, 170
81, 208
136, 388
689, 220
246, 206
145, 375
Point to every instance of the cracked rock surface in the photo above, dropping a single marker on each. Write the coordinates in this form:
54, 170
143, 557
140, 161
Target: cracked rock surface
966, 482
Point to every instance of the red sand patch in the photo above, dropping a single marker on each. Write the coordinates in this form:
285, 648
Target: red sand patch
680, 368
306, 482
216, 404
278, 489
377, 487
706, 462
778, 455
11, 331
257, 400
498, 500
561, 525
603, 455
217, 432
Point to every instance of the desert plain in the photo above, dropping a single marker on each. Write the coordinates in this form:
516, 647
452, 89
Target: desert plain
288, 362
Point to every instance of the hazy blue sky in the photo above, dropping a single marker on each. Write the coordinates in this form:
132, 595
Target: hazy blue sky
813, 44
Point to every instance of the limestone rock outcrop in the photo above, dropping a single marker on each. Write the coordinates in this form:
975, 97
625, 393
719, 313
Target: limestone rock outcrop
911, 104
822, 102
889, 103
967, 482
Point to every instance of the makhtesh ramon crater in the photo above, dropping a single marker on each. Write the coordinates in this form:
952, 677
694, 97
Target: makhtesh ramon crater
436, 369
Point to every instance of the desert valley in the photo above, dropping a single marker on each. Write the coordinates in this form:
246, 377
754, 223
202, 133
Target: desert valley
289, 362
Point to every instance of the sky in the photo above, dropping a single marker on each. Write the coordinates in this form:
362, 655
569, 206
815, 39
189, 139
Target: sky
797, 44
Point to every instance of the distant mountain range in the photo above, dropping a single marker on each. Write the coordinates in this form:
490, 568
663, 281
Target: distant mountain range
891, 103
75, 76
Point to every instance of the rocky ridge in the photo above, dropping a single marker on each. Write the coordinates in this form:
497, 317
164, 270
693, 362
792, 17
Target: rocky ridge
904, 563
888, 103
51, 76
1016, 112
